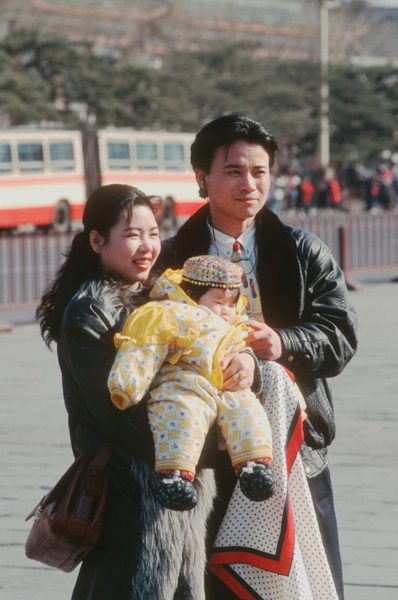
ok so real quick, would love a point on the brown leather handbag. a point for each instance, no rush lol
(67, 521)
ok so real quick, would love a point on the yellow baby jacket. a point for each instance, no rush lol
(173, 333)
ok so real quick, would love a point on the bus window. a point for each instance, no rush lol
(147, 155)
(62, 156)
(118, 155)
(30, 156)
(173, 156)
(5, 158)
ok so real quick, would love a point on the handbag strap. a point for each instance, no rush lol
(94, 482)
(101, 458)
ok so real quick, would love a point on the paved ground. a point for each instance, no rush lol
(34, 451)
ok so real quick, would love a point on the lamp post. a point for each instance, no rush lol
(324, 132)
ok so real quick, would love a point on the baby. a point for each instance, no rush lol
(170, 351)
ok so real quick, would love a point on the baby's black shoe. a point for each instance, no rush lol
(175, 492)
(257, 481)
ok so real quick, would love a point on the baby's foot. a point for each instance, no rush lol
(257, 481)
(175, 492)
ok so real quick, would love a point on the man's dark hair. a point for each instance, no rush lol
(226, 130)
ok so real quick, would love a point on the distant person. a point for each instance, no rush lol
(335, 195)
(322, 192)
(395, 186)
(376, 193)
(276, 193)
(306, 193)
(387, 195)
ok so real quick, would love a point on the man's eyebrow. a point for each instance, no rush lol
(229, 165)
(239, 166)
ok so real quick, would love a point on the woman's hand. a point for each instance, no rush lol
(264, 341)
(238, 371)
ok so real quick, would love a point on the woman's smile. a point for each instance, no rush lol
(143, 263)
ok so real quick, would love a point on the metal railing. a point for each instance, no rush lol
(28, 262)
(361, 242)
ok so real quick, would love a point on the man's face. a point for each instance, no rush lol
(237, 185)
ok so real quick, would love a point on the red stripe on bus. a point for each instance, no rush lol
(49, 180)
(38, 215)
(146, 177)
(76, 211)
(187, 208)
(44, 215)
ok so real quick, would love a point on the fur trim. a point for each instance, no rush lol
(173, 542)
(117, 299)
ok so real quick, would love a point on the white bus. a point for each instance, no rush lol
(46, 175)
(42, 180)
(156, 163)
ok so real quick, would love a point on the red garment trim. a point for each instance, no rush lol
(239, 466)
(294, 443)
(292, 377)
(280, 562)
(234, 585)
(183, 474)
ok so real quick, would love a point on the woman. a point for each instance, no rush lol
(144, 551)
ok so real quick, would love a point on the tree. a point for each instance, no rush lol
(364, 111)
(46, 77)
(24, 96)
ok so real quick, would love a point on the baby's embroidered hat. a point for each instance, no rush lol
(212, 271)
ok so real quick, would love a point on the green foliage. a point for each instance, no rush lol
(46, 77)
(25, 97)
(364, 111)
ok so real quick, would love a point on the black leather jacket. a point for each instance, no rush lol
(134, 530)
(86, 353)
(304, 297)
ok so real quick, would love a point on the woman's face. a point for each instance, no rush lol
(132, 247)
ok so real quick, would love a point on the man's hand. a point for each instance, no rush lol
(238, 371)
(264, 341)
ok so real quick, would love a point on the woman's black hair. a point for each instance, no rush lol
(222, 133)
(103, 210)
(195, 292)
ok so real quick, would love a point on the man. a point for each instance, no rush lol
(297, 297)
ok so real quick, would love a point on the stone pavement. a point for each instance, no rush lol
(35, 451)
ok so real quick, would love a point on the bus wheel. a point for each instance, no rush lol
(168, 221)
(62, 219)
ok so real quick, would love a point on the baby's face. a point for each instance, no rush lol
(221, 302)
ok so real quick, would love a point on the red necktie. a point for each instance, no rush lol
(236, 246)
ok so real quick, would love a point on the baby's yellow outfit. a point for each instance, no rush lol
(170, 350)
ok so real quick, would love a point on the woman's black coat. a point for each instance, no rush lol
(144, 551)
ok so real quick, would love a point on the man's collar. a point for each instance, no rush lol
(224, 242)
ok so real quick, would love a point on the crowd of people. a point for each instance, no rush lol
(219, 538)
(309, 187)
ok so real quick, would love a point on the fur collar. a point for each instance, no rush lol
(116, 298)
